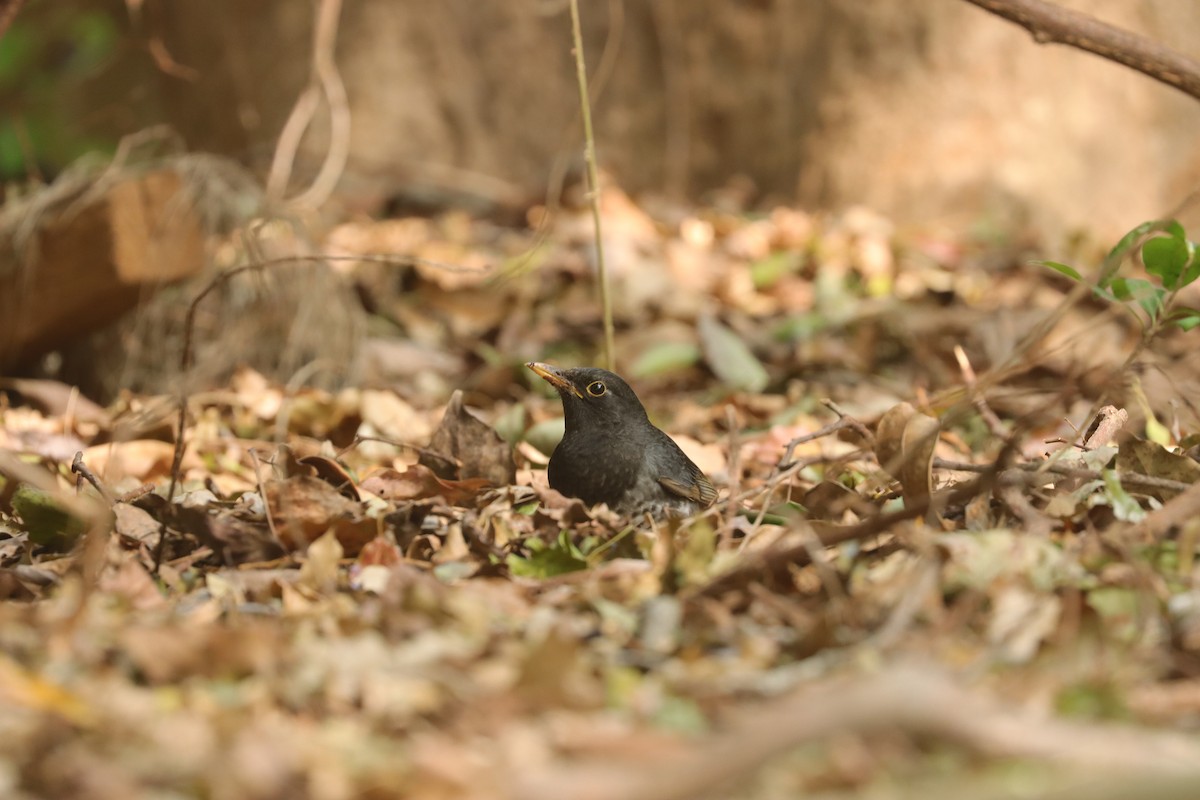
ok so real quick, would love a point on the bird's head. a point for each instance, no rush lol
(591, 395)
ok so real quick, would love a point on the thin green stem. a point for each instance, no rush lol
(593, 180)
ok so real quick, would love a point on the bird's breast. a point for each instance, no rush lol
(594, 470)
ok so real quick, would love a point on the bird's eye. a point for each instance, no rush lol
(596, 389)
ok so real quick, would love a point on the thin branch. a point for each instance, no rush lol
(1132, 480)
(1052, 24)
(81, 469)
(326, 72)
(773, 565)
(187, 355)
(593, 187)
(913, 698)
(325, 81)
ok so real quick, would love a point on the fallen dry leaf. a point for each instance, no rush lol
(465, 447)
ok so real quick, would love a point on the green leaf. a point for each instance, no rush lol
(1091, 701)
(1119, 609)
(799, 327)
(1185, 318)
(18, 53)
(1166, 257)
(46, 522)
(730, 358)
(1121, 289)
(511, 424)
(665, 357)
(548, 560)
(1113, 261)
(12, 156)
(767, 271)
(1142, 292)
(1175, 230)
(94, 36)
(1192, 272)
(681, 715)
(1061, 268)
(546, 435)
(1156, 431)
(1124, 507)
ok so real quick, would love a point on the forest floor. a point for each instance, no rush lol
(954, 554)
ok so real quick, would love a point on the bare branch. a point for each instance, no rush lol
(912, 698)
(1052, 24)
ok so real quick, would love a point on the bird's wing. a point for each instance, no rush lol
(699, 488)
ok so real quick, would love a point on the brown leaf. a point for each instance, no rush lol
(334, 474)
(415, 483)
(237, 540)
(379, 552)
(904, 445)
(304, 508)
(144, 459)
(321, 564)
(830, 499)
(166, 654)
(1147, 458)
(135, 524)
(54, 398)
(419, 483)
(469, 448)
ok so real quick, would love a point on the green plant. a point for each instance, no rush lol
(47, 59)
(1167, 255)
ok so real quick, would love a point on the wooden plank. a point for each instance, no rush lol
(90, 265)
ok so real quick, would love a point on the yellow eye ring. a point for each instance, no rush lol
(596, 388)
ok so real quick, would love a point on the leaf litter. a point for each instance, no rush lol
(919, 579)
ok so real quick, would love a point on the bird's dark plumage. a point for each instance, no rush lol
(612, 453)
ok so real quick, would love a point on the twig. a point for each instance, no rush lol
(325, 81)
(187, 355)
(81, 469)
(968, 372)
(774, 564)
(262, 492)
(82, 506)
(593, 187)
(786, 468)
(1010, 490)
(394, 260)
(927, 568)
(1174, 513)
(1104, 428)
(297, 380)
(359, 439)
(167, 64)
(735, 465)
(339, 106)
(914, 698)
(98, 518)
(1129, 479)
(840, 424)
(611, 51)
(1052, 24)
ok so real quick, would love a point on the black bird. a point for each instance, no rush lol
(611, 453)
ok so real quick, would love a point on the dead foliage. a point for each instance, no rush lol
(926, 574)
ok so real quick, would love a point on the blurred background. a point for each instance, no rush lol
(936, 113)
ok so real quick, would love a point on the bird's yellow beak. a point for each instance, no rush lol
(554, 377)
